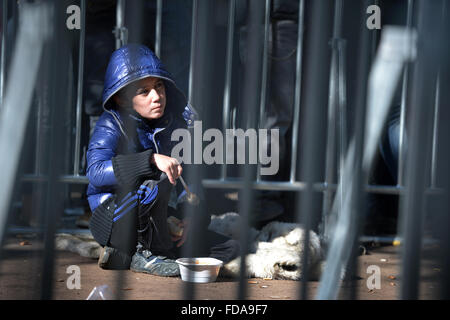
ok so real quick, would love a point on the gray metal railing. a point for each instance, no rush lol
(3, 50)
(79, 106)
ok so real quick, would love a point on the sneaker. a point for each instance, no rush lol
(112, 259)
(144, 261)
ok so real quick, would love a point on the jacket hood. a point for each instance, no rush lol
(133, 62)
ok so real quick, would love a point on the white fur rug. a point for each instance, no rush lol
(276, 250)
(83, 244)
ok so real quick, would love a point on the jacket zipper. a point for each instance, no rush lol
(154, 140)
(154, 135)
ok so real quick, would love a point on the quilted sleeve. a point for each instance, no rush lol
(107, 168)
(102, 148)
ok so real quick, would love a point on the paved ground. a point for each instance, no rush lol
(21, 275)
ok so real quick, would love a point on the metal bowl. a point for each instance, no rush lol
(199, 270)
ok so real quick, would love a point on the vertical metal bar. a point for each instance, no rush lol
(3, 52)
(189, 290)
(443, 156)
(250, 100)
(76, 163)
(120, 31)
(375, 33)
(228, 76)
(413, 203)
(265, 63)
(158, 27)
(201, 63)
(265, 71)
(316, 104)
(59, 60)
(193, 48)
(121, 35)
(435, 133)
(38, 149)
(342, 105)
(298, 92)
(334, 87)
(401, 155)
(343, 139)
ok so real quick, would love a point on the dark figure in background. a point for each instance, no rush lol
(279, 109)
(99, 44)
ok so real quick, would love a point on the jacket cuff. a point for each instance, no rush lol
(131, 169)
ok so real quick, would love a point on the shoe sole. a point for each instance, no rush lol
(148, 272)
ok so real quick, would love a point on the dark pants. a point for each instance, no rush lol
(279, 112)
(279, 108)
(140, 216)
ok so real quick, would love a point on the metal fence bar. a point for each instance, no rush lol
(298, 91)
(251, 102)
(443, 159)
(3, 50)
(375, 35)
(235, 183)
(58, 59)
(39, 128)
(192, 66)
(412, 205)
(120, 32)
(333, 107)
(264, 77)
(435, 141)
(265, 67)
(158, 27)
(316, 105)
(228, 76)
(79, 108)
(201, 64)
(342, 105)
(135, 10)
(402, 134)
(189, 290)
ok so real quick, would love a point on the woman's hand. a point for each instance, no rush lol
(169, 165)
(182, 239)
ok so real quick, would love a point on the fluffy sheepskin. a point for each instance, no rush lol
(276, 250)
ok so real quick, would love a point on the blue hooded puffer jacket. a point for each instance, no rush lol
(123, 131)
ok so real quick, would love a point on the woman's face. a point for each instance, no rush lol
(149, 98)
